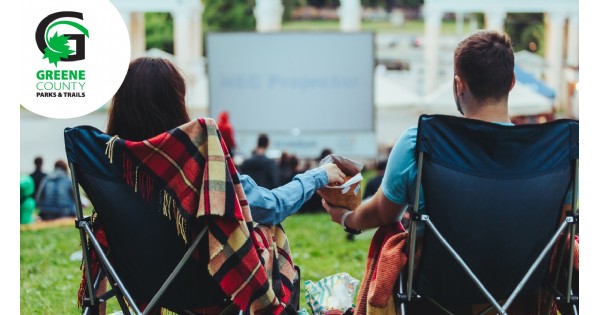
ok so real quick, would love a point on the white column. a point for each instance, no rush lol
(433, 21)
(460, 24)
(494, 20)
(268, 15)
(473, 24)
(350, 15)
(138, 34)
(182, 36)
(573, 40)
(554, 54)
(197, 31)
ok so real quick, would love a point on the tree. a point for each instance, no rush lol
(159, 31)
(526, 31)
(229, 15)
(409, 3)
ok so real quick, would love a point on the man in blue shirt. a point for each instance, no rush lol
(483, 77)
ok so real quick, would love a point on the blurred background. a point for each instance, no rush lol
(345, 75)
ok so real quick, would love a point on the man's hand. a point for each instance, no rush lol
(336, 213)
(372, 213)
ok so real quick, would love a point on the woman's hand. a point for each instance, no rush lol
(334, 174)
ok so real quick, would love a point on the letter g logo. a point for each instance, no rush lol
(56, 47)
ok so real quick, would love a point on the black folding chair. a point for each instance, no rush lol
(148, 262)
(494, 198)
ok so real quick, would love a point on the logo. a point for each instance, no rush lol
(75, 56)
(56, 47)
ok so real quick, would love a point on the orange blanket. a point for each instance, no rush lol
(386, 260)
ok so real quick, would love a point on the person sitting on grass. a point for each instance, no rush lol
(55, 194)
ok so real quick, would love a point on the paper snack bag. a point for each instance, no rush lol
(347, 195)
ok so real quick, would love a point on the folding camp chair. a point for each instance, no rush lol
(148, 266)
(494, 197)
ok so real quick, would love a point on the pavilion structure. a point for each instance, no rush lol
(561, 42)
(562, 30)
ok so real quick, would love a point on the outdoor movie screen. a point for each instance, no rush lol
(313, 81)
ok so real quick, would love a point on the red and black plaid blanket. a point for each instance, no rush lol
(190, 169)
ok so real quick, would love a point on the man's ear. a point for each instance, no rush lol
(514, 80)
(460, 85)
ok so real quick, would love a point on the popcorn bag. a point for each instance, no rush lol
(348, 194)
(332, 294)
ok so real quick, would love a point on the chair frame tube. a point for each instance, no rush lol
(573, 229)
(538, 260)
(175, 271)
(463, 264)
(413, 229)
(109, 267)
(570, 221)
(84, 227)
(401, 291)
(79, 213)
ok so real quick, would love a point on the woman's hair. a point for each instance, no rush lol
(151, 100)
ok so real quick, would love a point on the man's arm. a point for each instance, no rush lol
(375, 212)
(390, 201)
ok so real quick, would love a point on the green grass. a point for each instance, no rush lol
(320, 248)
(49, 280)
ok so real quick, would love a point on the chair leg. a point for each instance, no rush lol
(296, 294)
(231, 309)
(401, 291)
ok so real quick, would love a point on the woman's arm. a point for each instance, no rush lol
(271, 207)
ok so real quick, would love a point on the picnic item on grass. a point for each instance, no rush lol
(331, 295)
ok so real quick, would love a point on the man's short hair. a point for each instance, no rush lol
(38, 161)
(263, 140)
(485, 61)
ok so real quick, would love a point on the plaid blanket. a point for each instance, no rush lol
(190, 169)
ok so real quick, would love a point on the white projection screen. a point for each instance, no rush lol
(305, 81)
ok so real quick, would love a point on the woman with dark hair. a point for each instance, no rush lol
(151, 100)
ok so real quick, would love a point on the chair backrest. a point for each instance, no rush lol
(496, 194)
(144, 244)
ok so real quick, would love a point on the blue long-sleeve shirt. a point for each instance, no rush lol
(271, 207)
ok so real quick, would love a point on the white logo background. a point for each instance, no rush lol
(107, 56)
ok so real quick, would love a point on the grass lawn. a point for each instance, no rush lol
(320, 248)
(50, 280)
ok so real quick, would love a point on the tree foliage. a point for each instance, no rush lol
(526, 31)
(159, 31)
(229, 15)
(368, 3)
